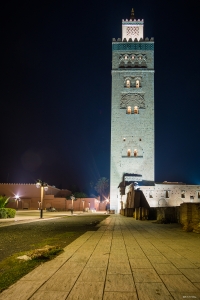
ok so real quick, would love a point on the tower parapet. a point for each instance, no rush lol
(132, 28)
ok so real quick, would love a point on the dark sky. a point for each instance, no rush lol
(56, 88)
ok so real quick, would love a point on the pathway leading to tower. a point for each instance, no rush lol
(124, 259)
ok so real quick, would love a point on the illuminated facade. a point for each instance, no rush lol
(132, 126)
(132, 109)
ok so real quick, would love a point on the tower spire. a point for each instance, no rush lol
(132, 14)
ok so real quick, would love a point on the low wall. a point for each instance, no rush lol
(60, 204)
(190, 216)
(168, 214)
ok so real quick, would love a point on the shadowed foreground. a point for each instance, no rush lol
(123, 259)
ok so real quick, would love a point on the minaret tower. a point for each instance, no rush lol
(132, 110)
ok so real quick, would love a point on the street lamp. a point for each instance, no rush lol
(83, 204)
(72, 198)
(17, 199)
(43, 186)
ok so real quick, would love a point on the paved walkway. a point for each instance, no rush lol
(124, 259)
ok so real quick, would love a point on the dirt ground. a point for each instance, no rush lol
(60, 231)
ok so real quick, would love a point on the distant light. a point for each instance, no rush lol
(38, 185)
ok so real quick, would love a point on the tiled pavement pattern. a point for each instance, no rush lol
(124, 259)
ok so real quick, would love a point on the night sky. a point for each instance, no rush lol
(56, 89)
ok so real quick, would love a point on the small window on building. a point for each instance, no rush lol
(124, 139)
(167, 194)
(191, 198)
(150, 194)
(137, 83)
(198, 194)
(128, 83)
(135, 152)
(133, 56)
(136, 110)
(140, 140)
(126, 57)
(129, 152)
(129, 110)
(182, 194)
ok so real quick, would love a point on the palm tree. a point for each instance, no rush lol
(3, 201)
(102, 187)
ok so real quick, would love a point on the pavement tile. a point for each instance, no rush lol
(182, 263)
(102, 262)
(21, 290)
(87, 291)
(197, 284)
(185, 296)
(145, 275)
(151, 252)
(136, 254)
(152, 291)
(116, 267)
(60, 282)
(73, 267)
(163, 268)
(178, 283)
(192, 274)
(45, 295)
(119, 283)
(120, 296)
(93, 274)
(142, 263)
(118, 255)
(158, 259)
(80, 257)
(195, 259)
(173, 255)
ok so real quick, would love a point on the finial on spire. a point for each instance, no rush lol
(132, 14)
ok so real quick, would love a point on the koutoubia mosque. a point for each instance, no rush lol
(132, 175)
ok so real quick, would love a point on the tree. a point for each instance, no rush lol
(80, 195)
(101, 187)
(3, 201)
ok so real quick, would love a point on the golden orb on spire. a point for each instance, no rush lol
(132, 14)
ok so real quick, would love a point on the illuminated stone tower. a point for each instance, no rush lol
(132, 110)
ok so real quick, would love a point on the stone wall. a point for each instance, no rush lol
(190, 216)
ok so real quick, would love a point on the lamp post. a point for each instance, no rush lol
(83, 204)
(89, 205)
(72, 198)
(43, 186)
(17, 199)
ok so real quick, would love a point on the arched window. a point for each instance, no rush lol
(128, 83)
(129, 110)
(137, 83)
(136, 110)
(135, 152)
(129, 152)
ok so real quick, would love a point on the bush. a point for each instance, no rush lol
(10, 212)
(7, 213)
(3, 213)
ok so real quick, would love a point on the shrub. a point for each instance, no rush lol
(3, 213)
(10, 212)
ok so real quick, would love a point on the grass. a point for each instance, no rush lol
(25, 238)
(12, 269)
